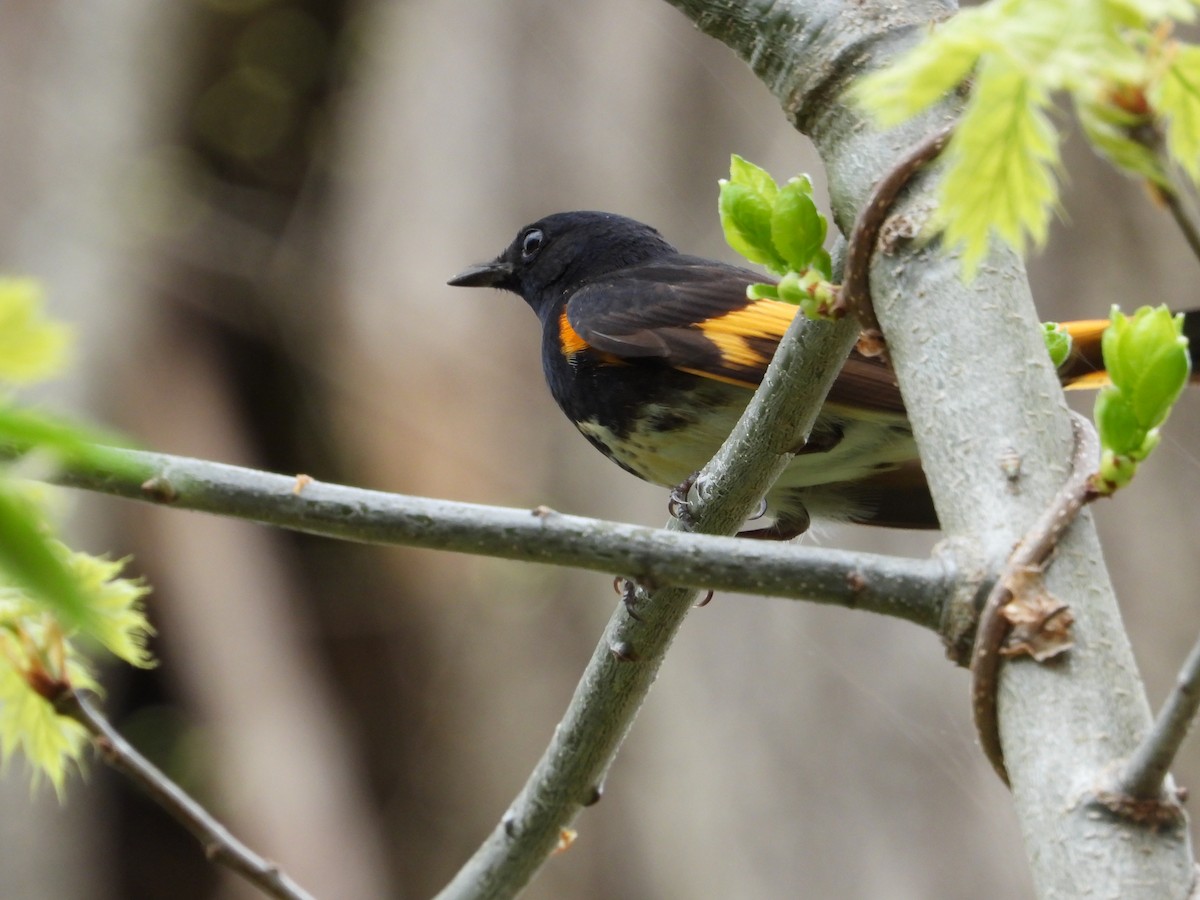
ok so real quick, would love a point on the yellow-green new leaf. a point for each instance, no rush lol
(1144, 11)
(1111, 131)
(1117, 422)
(31, 347)
(797, 227)
(758, 179)
(1002, 159)
(1058, 342)
(34, 652)
(1177, 99)
(929, 71)
(746, 221)
(51, 743)
(37, 656)
(120, 622)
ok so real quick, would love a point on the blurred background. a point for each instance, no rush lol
(249, 208)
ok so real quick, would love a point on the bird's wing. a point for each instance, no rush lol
(693, 314)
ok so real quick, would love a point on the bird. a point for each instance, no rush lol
(653, 354)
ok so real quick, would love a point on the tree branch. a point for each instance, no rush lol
(219, 844)
(1143, 776)
(1174, 201)
(913, 589)
(570, 774)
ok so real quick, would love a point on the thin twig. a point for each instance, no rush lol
(219, 845)
(1144, 773)
(911, 589)
(1190, 233)
(855, 293)
(1032, 552)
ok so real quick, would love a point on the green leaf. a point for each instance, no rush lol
(51, 743)
(119, 617)
(790, 290)
(32, 347)
(29, 560)
(1112, 133)
(1176, 97)
(746, 220)
(1144, 11)
(1147, 361)
(1058, 342)
(26, 429)
(762, 291)
(1000, 166)
(38, 658)
(797, 228)
(823, 264)
(1161, 364)
(1000, 175)
(1117, 423)
(1116, 363)
(1162, 380)
(756, 178)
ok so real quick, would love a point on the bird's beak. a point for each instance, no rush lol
(492, 274)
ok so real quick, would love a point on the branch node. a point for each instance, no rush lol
(1164, 813)
(566, 837)
(628, 589)
(969, 571)
(623, 651)
(159, 489)
(1010, 466)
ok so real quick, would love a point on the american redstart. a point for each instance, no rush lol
(653, 355)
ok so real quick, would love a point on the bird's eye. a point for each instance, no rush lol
(531, 244)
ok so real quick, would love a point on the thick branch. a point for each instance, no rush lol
(980, 394)
(912, 589)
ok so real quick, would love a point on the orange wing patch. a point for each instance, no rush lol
(1089, 382)
(569, 340)
(1086, 330)
(1086, 335)
(746, 338)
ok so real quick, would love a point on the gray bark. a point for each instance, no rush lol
(1063, 726)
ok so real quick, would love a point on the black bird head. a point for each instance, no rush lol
(551, 257)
